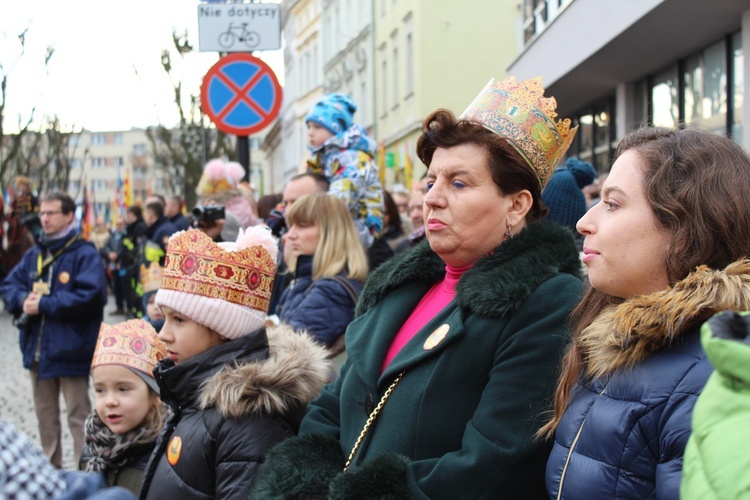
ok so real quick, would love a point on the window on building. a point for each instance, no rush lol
(409, 56)
(664, 98)
(118, 139)
(737, 86)
(98, 162)
(595, 141)
(706, 89)
(363, 108)
(118, 161)
(395, 66)
(383, 82)
(586, 137)
(711, 91)
(74, 140)
(98, 139)
(75, 162)
(140, 149)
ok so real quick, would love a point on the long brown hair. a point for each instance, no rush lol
(697, 184)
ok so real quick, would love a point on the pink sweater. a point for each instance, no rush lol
(434, 301)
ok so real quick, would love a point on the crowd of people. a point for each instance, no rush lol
(511, 325)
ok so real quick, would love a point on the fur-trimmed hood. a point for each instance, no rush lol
(498, 283)
(293, 374)
(626, 334)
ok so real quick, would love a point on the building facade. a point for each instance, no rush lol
(432, 54)
(615, 65)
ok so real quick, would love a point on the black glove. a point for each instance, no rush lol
(383, 478)
(299, 468)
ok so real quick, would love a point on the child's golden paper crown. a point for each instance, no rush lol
(519, 112)
(151, 277)
(196, 265)
(133, 344)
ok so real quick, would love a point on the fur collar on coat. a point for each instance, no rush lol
(294, 373)
(497, 284)
(628, 333)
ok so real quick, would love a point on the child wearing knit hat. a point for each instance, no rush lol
(343, 153)
(235, 388)
(121, 432)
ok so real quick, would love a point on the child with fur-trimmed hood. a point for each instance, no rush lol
(236, 389)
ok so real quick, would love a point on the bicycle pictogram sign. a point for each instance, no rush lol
(239, 33)
(241, 94)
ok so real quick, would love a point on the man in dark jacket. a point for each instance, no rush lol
(159, 230)
(173, 211)
(57, 293)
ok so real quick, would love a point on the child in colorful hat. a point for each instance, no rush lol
(344, 154)
(122, 430)
(235, 388)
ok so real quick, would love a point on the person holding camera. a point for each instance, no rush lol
(58, 292)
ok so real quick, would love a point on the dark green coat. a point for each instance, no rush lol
(465, 412)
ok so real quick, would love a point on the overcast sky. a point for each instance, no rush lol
(99, 45)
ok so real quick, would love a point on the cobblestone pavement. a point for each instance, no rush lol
(16, 402)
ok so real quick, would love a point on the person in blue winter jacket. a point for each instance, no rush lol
(329, 268)
(666, 248)
(343, 153)
(57, 294)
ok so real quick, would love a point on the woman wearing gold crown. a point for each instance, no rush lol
(235, 388)
(453, 354)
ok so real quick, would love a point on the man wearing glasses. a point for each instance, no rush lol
(57, 294)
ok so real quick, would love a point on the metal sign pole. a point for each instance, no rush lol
(243, 154)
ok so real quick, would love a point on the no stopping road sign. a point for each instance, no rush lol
(240, 94)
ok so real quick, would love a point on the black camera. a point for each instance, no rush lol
(209, 213)
(22, 322)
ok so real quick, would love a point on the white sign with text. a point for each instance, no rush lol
(239, 27)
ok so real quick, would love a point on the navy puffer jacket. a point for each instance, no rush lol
(321, 307)
(629, 419)
(65, 330)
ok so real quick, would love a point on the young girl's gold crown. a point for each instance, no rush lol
(519, 112)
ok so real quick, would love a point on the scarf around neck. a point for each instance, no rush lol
(112, 451)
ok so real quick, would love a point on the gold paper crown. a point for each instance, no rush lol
(134, 344)
(519, 112)
(151, 277)
(196, 265)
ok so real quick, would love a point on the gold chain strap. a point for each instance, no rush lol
(371, 419)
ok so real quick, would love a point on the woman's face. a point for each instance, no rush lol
(625, 249)
(465, 214)
(302, 239)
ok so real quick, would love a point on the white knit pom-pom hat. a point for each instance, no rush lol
(226, 286)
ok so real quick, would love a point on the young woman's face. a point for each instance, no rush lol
(625, 249)
(183, 337)
(317, 135)
(302, 240)
(122, 399)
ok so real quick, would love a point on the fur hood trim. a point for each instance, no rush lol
(628, 333)
(293, 374)
(498, 283)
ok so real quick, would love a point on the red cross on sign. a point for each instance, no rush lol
(240, 94)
